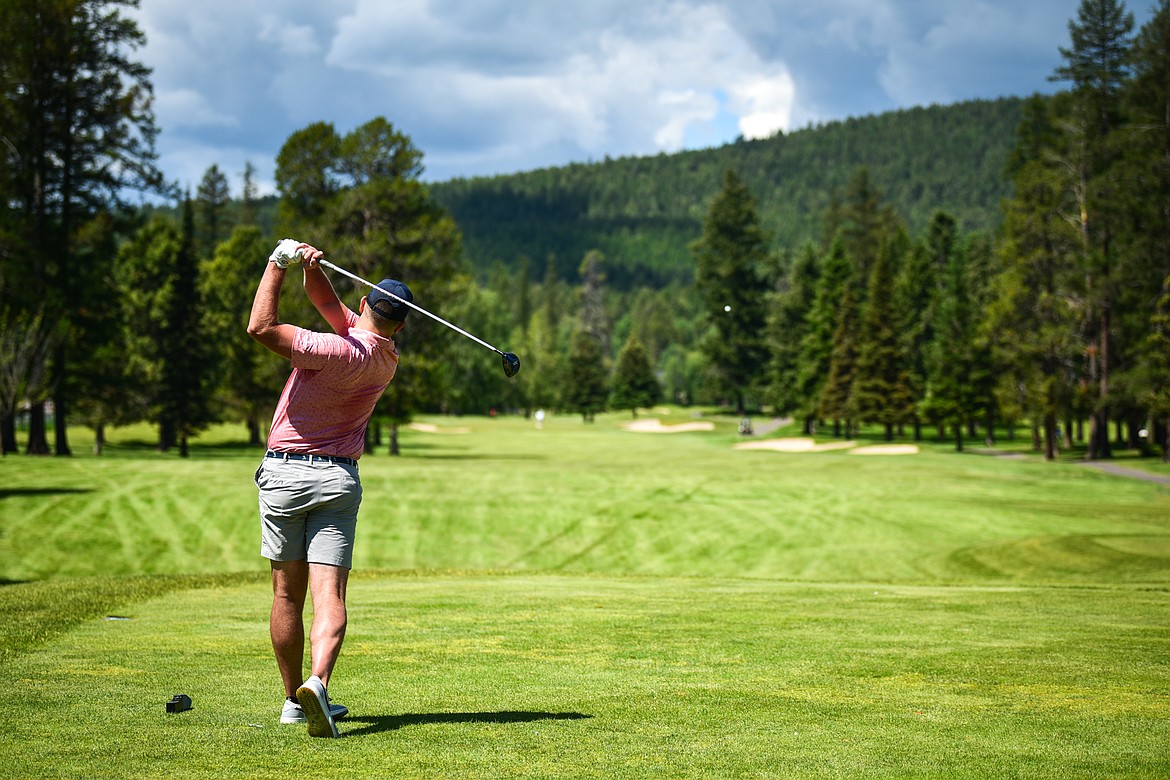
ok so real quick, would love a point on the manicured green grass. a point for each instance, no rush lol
(581, 601)
(474, 676)
(577, 498)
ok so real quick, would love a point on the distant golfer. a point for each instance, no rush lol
(308, 480)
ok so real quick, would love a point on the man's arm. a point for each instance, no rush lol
(263, 324)
(321, 293)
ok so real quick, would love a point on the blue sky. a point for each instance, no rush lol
(485, 87)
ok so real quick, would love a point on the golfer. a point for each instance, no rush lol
(308, 480)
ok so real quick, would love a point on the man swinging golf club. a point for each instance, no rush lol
(308, 480)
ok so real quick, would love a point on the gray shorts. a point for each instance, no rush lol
(308, 511)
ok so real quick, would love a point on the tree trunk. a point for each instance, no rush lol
(37, 444)
(394, 438)
(254, 439)
(889, 431)
(1166, 441)
(62, 435)
(99, 438)
(183, 450)
(7, 433)
(1050, 449)
(958, 437)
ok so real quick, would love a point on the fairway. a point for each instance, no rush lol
(585, 601)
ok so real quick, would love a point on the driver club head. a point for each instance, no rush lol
(511, 364)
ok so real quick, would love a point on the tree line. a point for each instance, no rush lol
(1058, 314)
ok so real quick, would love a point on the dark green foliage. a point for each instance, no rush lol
(587, 386)
(643, 212)
(634, 384)
(730, 258)
(816, 346)
(949, 398)
(246, 382)
(836, 399)
(359, 198)
(786, 328)
(78, 132)
(881, 390)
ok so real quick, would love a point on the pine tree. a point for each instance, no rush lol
(1097, 65)
(184, 389)
(881, 388)
(816, 346)
(786, 328)
(729, 258)
(836, 397)
(75, 110)
(1033, 316)
(949, 398)
(245, 381)
(587, 386)
(634, 383)
(212, 197)
(1157, 394)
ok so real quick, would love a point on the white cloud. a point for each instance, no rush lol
(182, 108)
(494, 86)
(764, 104)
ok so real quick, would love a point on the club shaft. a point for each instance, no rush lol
(419, 309)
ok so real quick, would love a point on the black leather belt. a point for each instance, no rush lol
(310, 458)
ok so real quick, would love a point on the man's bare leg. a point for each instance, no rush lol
(286, 625)
(327, 585)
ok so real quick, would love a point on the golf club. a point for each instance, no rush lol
(511, 362)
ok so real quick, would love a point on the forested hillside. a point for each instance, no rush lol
(642, 212)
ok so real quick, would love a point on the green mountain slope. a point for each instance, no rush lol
(642, 212)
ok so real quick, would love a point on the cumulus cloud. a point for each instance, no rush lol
(495, 86)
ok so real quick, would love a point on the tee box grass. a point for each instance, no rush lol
(580, 601)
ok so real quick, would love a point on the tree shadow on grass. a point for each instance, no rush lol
(376, 723)
(35, 491)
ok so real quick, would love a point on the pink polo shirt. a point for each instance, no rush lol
(335, 382)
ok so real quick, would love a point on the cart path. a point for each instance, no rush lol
(1123, 471)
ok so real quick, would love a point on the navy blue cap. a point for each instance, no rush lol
(387, 307)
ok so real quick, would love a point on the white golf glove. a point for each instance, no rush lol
(286, 253)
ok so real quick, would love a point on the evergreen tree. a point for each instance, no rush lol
(1032, 323)
(212, 197)
(1097, 65)
(587, 386)
(592, 313)
(881, 388)
(184, 387)
(75, 113)
(248, 195)
(634, 383)
(145, 271)
(246, 381)
(1157, 393)
(729, 258)
(949, 398)
(359, 198)
(816, 347)
(836, 397)
(918, 293)
(786, 327)
(1144, 245)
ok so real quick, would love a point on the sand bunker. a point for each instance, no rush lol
(655, 425)
(428, 428)
(886, 449)
(809, 445)
(795, 445)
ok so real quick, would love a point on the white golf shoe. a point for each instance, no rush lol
(293, 712)
(315, 703)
